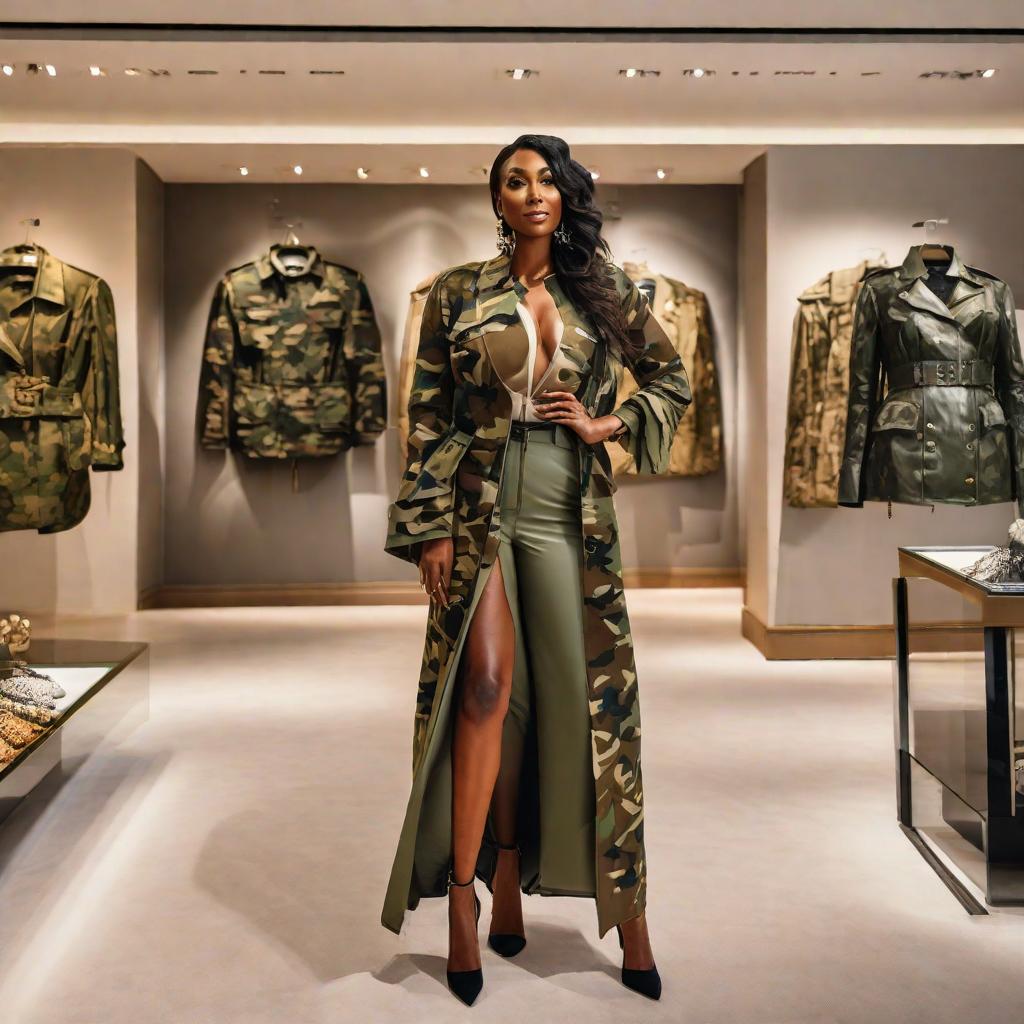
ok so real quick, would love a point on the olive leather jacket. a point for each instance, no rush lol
(939, 340)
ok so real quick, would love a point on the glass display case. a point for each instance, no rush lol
(957, 723)
(105, 696)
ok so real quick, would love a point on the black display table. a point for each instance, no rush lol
(957, 721)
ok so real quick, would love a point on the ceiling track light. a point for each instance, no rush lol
(8, 69)
(202, 71)
(697, 72)
(638, 73)
(266, 71)
(520, 73)
(96, 71)
(959, 75)
(297, 169)
(319, 72)
(424, 173)
(362, 173)
(51, 70)
(662, 173)
(243, 171)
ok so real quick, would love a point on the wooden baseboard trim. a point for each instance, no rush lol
(800, 643)
(189, 595)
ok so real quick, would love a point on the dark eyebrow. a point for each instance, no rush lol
(521, 171)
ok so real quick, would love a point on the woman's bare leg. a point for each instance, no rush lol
(507, 907)
(485, 676)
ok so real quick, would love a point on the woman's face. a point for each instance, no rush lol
(527, 196)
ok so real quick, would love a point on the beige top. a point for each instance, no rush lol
(523, 390)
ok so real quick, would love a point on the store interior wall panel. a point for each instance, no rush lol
(229, 520)
(826, 207)
(150, 242)
(85, 199)
(752, 370)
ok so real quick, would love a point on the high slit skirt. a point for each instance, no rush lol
(540, 552)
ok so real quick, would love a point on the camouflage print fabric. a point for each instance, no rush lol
(60, 408)
(936, 409)
(685, 315)
(460, 415)
(407, 364)
(292, 362)
(819, 387)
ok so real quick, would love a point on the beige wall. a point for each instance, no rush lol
(827, 206)
(85, 199)
(232, 520)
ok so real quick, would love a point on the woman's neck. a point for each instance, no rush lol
(531, 259)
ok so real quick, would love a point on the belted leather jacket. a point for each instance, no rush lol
(936, 406)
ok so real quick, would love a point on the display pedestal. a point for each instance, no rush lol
(957, 721)
(106, 687)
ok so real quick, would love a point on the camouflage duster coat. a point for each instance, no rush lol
(940, 343)
(459, 415)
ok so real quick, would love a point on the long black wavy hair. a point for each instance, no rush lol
(582, 266)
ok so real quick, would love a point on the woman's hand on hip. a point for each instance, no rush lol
(563, 407)
(436, 558)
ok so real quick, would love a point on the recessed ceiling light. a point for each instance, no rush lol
(424, 173)
(362, 172)
(638, 73)
(661, 172)
(243, 171)
(132, 72)
(594, 173)
(698, 72)
(51, 70)
(319, 72)
(8, 69)
(297, 168)
(988, 72)
(96, 72)
(520, 73)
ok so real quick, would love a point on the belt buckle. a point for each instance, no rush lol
(918, 374)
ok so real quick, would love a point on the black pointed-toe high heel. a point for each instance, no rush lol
(647, 983)
(465, 985)
(507, 945)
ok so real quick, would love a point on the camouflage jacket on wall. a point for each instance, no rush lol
(819, 387)
(686, 318)
(60, 408)
(292, 363)
(460, 412)
(942, 347)
(407, 364)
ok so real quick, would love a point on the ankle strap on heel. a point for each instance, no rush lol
(451, 879)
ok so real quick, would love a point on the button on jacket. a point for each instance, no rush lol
(685, 316)
(292, 363)
(60, 408)
(951, 424)
(473, 339)
(819, 387)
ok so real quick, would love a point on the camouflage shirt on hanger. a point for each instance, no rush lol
(292, 362)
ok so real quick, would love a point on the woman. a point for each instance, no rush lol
(526, 753)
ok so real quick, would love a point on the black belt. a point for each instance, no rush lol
(942, 372)
(521, 427)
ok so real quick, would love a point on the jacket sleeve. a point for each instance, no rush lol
(361, 346)
(215, 378)
(1010, 384)
(865, 383)
(425, 505)
(101, 395)
(795, 482)
(652, 413)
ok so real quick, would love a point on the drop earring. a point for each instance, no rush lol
(505, 244)
(562, 236)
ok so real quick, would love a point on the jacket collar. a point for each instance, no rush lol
(266, 265)
(496, 275)
(49, 282)
(839, 287)
(914, 266)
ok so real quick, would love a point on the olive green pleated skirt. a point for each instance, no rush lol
(540, 551)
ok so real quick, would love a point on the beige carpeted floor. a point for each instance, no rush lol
(227, 863)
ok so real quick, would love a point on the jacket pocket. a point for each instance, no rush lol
(898, 414)
(436, 474)
(992, 415)
(76, 435)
